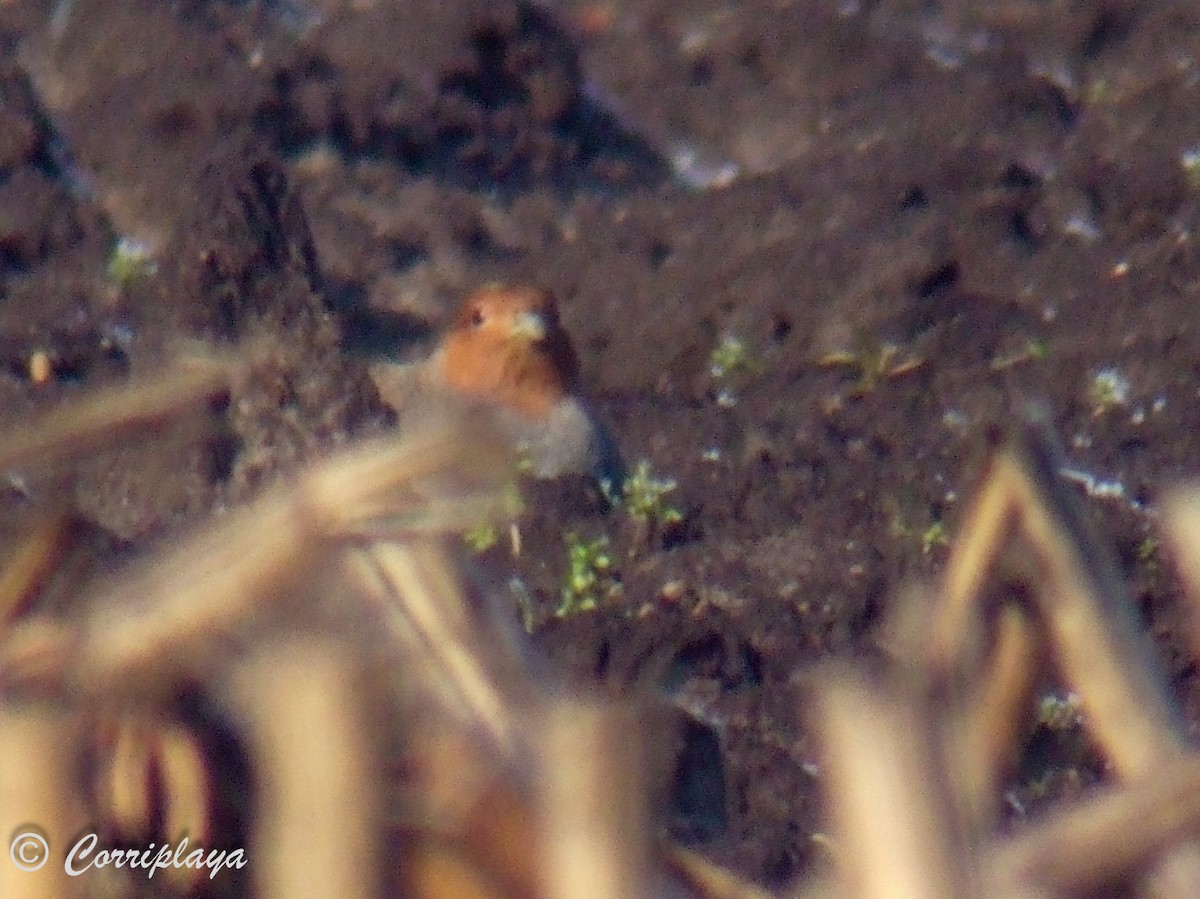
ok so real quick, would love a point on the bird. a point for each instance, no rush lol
(506, 349)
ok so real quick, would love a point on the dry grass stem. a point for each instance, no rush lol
(417, 591)
(36, 656)
(1181, 521)
(172, 611)
(713, 882)
(100, 418)
(38, 748)
(991, 722)
(593, 834)
(1104, 840)
(1100, 651)
(892, 813)
(1087, 623)
(475, 834)
(318, 822)
(26, 571)
(122, 782)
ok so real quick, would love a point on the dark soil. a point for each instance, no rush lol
(1007, 192)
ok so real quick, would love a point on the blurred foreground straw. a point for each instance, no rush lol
(39, 744)
(317, 819)
(402, 746)
(102, 417)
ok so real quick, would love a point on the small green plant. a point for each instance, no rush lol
(1060, 712)
(644, 498)
(590, 577)
(1147, 553)
(874, 361)
(1107, 390)
(936, 535)
(1190, 161)
(730, 362)
(1099, 92)
(482, 536)
(1032, 351)
(731, 357)
(128, 262)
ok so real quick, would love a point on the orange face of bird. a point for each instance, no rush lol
(507, 346)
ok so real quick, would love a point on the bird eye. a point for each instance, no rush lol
(476, 316)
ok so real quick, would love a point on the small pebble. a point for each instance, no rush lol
(40, 369)
(673, 591)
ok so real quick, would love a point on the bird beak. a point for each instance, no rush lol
(530, 326)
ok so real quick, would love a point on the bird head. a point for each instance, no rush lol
(507, 346)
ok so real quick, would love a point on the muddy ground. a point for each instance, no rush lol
(1008, 193)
